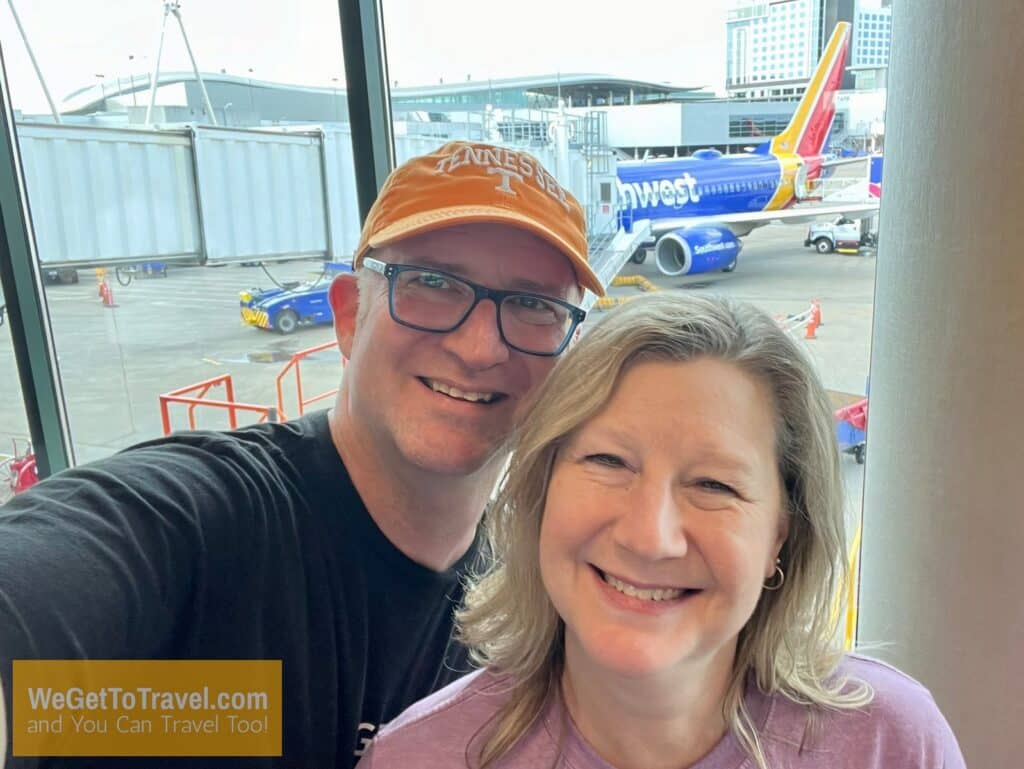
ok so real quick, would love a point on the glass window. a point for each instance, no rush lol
(420, 50)
(152, 269)
(15, 445)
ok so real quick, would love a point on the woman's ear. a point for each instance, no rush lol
(344, 299)
(782, 533)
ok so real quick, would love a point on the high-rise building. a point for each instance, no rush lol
(772, 46)
(869, 50)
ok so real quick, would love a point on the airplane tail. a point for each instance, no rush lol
(875, 176)
(809, 128)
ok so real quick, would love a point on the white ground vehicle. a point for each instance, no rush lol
(842, 233)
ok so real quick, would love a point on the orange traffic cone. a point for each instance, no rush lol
(812, 324)
(107, 294)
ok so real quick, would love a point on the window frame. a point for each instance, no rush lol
(369, 104)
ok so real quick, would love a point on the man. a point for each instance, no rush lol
(336, 542)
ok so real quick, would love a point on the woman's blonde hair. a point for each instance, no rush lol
(789, 644)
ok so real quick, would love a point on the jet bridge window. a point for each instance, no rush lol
(606, 192)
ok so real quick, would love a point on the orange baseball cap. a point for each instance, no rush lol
(465, 182)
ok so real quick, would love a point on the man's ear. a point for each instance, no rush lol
(344, 298)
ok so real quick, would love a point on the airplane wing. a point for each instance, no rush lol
(742, 223)
(835, 162)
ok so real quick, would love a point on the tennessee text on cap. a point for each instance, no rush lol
(465, 182)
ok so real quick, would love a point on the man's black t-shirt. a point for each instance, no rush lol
(252, 544)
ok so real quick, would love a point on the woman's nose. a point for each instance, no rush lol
(652, 525)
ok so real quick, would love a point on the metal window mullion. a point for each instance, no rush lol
(31, 335)
(369, 98)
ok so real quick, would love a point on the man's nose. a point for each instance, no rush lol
(477, 342)
(652, 527)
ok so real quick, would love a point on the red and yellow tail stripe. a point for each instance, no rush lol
(807, 130)
(804, 138)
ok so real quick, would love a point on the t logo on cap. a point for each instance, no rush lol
(505, 176)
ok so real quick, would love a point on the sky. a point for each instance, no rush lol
(80, 42)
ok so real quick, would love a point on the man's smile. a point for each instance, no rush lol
(457, 393)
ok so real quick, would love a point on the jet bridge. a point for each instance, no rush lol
(201, 194)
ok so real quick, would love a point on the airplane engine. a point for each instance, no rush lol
(693, 250)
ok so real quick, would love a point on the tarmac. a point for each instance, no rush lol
(167, 333)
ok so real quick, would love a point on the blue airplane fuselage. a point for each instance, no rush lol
(699, 207)
(705, 184)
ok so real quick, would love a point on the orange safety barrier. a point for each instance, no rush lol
(810, 319)
(195, 395)
(295, 363)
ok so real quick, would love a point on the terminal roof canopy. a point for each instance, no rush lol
(577, 90)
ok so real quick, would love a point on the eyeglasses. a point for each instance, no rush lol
(437, 301)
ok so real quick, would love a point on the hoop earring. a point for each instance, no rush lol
(779, 573)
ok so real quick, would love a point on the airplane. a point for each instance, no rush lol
(700, 206)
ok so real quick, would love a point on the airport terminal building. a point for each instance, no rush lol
(772, 47)
(635, 117)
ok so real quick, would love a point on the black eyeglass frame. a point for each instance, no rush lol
(391, 271)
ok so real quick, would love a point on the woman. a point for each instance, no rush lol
(668, 555)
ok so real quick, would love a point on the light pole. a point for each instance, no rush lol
(252, 101)
(337, 118)
(131, 75)
(103, 88)
(35, 64)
